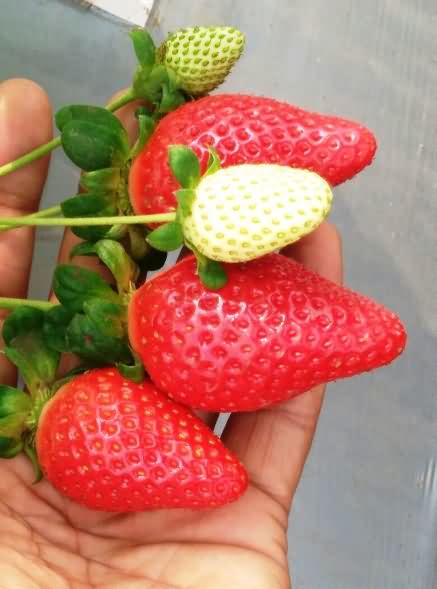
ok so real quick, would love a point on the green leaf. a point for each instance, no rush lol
(10, 447)
(85, 340)
(146, 127)
(97, 115)
(55, 326)
(144, 47)
(101, 181)
(134, 372)
(167, 237)
(185, 198)
(26, 348)
(73, 286)
(212, 275)
(185, 165)
(121, 265)
(92, 205)
(13, 401)
(213, 162)
(93, 147)
(108, 318)
(83, 249)
(13, 426)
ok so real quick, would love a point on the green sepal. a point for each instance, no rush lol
(26, 348)
(138, 245)
(73, 286)
(167, 237)
(10, 447)
(97, 115)
(84, 248)
(15, 406)
(185, 165)
(13, 401)
(214, 163)
(120, 264)
(147, 84)
(93, 147)
(146, 126)
(93, 205)
(134, 372)
(32, 455)
(56, 321)
(108, 318)
(101, 181)
(144, 47)
(171, 99)
(213, 275)
(185, 198)
(85, 340)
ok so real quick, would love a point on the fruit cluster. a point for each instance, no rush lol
(234, 326)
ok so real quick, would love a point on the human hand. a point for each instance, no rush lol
(49, 541)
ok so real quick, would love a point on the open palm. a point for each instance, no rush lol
(49, 542)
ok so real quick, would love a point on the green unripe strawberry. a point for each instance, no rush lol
(246, 211)
(201, 57)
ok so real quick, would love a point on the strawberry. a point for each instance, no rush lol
(247, 129)
(201, 57)
(275, 330)
(243, 212)
(114, 445)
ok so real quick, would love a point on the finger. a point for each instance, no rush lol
(126, 114)
(273, 443)
(25, 123)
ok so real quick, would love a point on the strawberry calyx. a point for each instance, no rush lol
(185, 166)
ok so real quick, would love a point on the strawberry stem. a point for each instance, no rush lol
(43, 150)
(11, 304)
(50, 212)
(12, 222)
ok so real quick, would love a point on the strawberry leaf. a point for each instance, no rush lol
(185, 198)
(73, 286)
(26, 348)
(144, 47)
(185, 165)
(93, 147)
(90, 203)
(108, 318)
(212, 274)
(167, 237)
(56, 321)
(120, 264)
(13, 401)
(101, 181)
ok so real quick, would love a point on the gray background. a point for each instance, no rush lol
(366, 512)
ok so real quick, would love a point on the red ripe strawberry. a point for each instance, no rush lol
(275, 330)
(114, 445)
(248, 129)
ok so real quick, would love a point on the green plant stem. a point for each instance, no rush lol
(87, 221)
(11, 304)
(122, 100)
(50, 212)
(42, 150)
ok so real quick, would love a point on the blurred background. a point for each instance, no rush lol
(365, 515)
